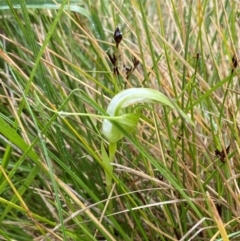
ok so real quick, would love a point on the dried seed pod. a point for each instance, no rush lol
(234, 62)
(135, 63)
(115, 70)
(113, 60)
(117, 36)
(160, 177)
(128, 70)
(221, 154)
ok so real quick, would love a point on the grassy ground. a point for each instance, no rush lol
(170, 180)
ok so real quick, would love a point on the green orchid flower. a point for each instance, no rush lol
(128, 121)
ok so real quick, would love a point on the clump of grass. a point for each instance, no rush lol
(169, 180)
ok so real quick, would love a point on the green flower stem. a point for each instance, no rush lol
(107, 159)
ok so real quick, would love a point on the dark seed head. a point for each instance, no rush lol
(117, 36)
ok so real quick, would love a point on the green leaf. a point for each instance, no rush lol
(47, 4)
(14, 139)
